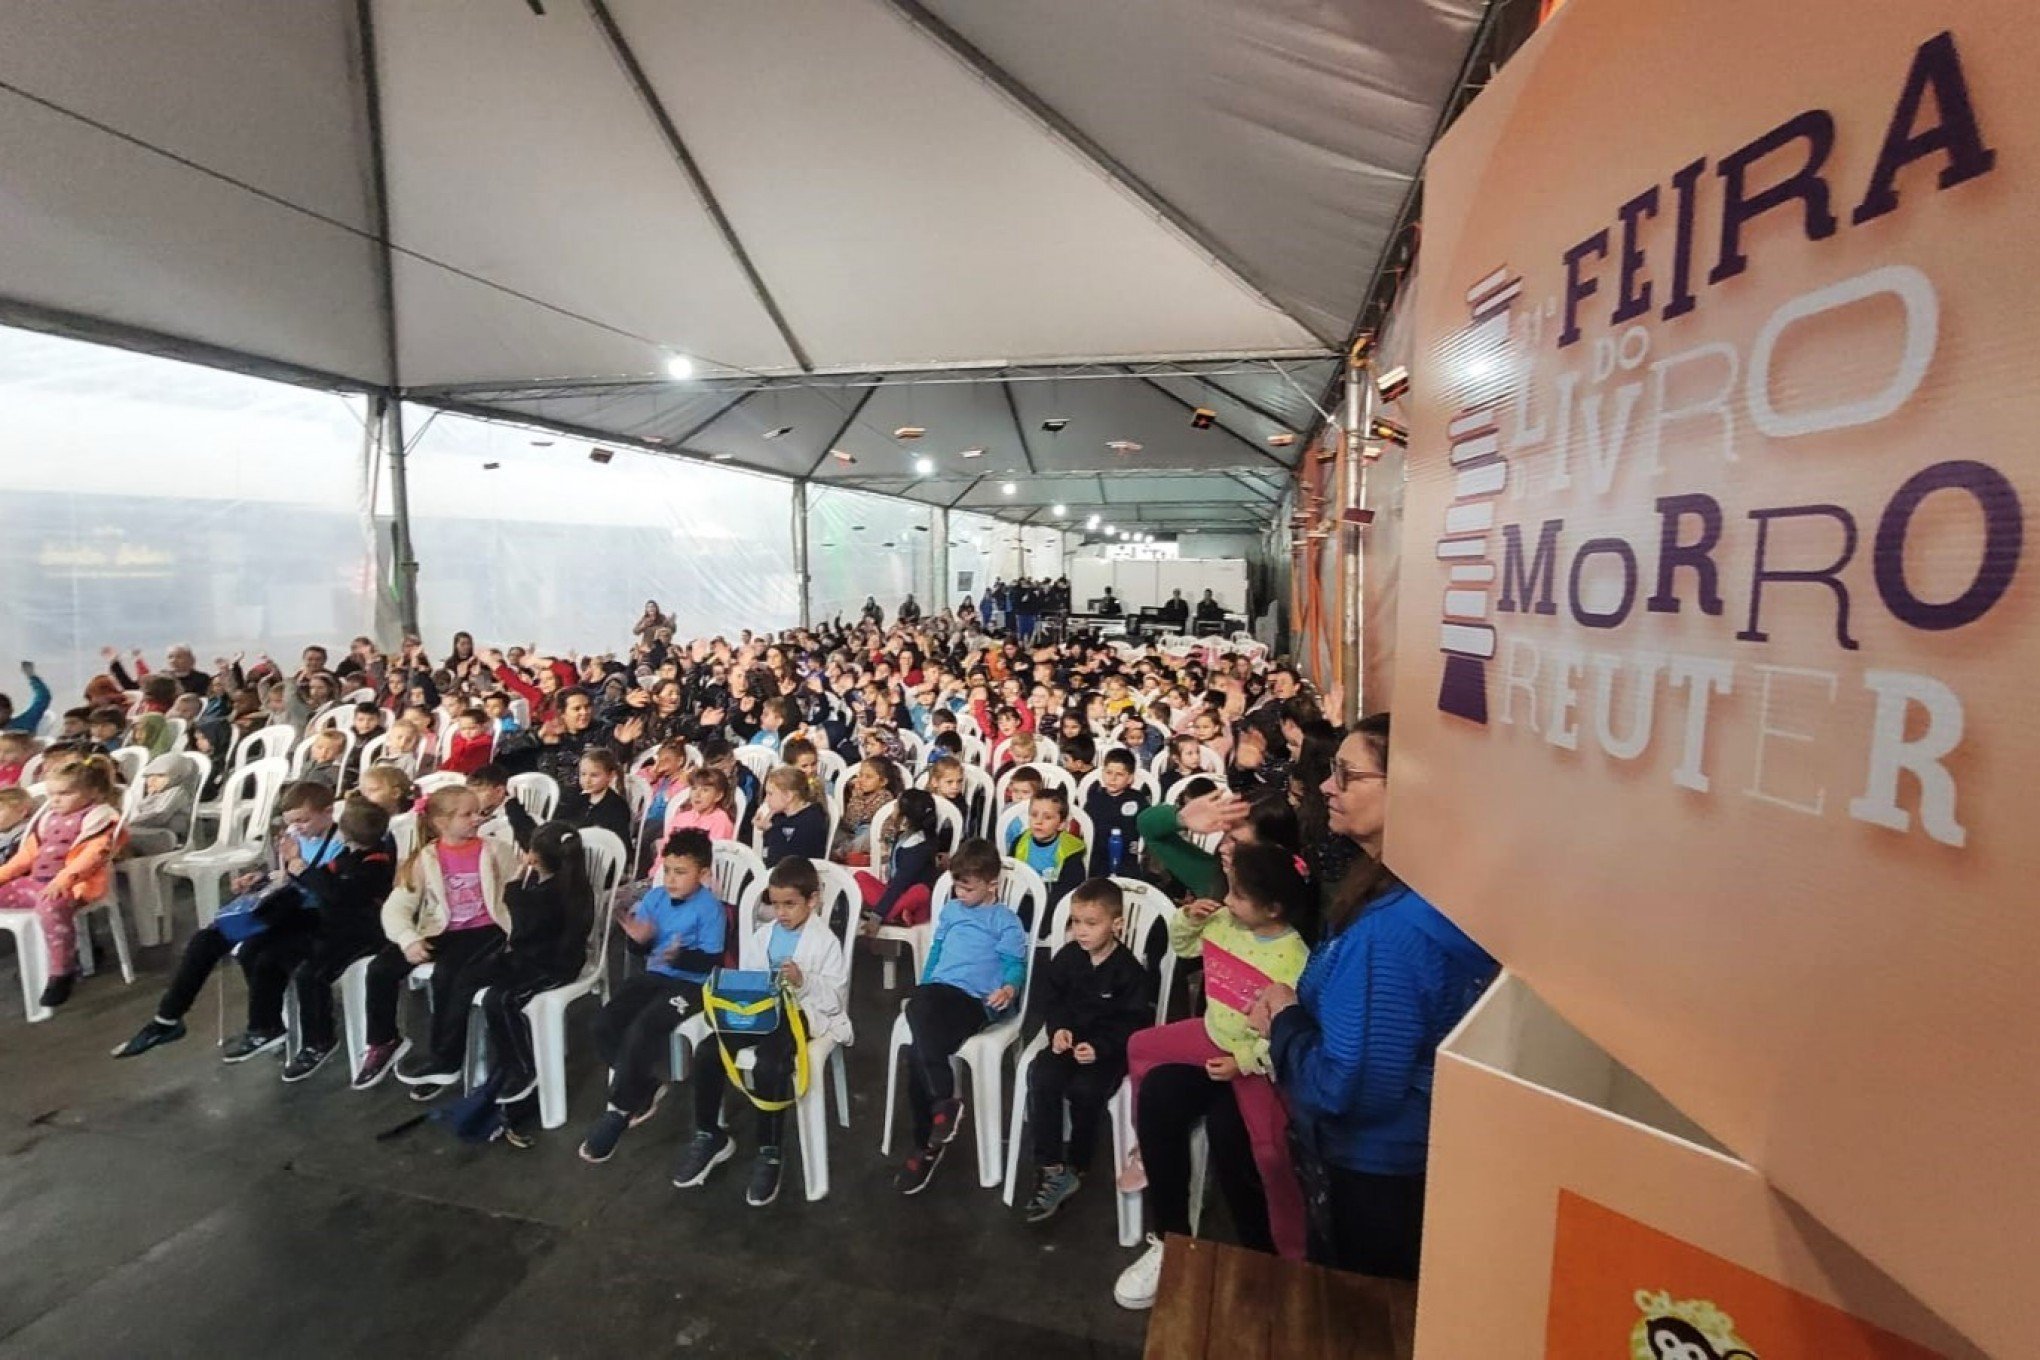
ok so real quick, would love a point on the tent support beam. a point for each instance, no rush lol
(856, 410)
(1254, 406)
(800, 551)
(634, 72)
(1019, 430)
(1272, 498)
(680, 440)
(938, 530)
(964, 495)
(389, 406)
(1259, 452)
(921, 17)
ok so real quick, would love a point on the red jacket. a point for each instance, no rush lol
(468, 754)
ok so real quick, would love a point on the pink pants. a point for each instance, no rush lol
(1261, 1110)
(910, 908)
(60, 937)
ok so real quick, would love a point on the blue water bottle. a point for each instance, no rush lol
(1115, 849)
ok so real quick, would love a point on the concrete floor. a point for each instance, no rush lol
(172, 1205)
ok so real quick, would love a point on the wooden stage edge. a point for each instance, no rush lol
(1225, 1301)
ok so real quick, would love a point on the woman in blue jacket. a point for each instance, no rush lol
(1354, 1045)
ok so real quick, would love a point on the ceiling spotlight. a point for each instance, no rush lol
(1112, 531)
(1122, 446)
(779, 433)
(841, 456)
(1091, 523)
(600, 455)
(973, 453)
(1007, 488)
(490, 467)
(1389, 431)
(924, 467)
(1393, 383)
(721, 457)
(679, 367)
(1059, 510)
(541, 443)
(909, 432)
(1281, 441)
(1201, 418)
(1055, 424)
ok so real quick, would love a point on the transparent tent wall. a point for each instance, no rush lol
(549, 547)
(993, 550)
(150, 502)
(862, 545)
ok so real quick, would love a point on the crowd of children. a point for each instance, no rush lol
(1088, 763)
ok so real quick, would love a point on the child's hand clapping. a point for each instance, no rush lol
(1085, 1053)
(1062, 1041)
(640, 930)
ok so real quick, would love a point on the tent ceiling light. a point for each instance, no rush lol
(1059, 510)
(1007, 488)
(924, 467)
(780, 433)
(910, 432)
(721, 457)
(490, 467)
(973, 453)
(1202, 418)
(1056, 424)
(1393, 383)
(841, 456)
(1281, 441)
(1091, 523)
(1110, 530)
(541, 443)
(679, 367)
(1122, 446)
(601, 455)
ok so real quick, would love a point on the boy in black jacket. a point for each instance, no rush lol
(1115, 804)
(1095, 996)
(346, 894)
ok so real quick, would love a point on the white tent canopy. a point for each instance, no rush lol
(853, 216)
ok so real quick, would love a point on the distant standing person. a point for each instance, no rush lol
(873, 614)
(1209, 610)
(910, 612)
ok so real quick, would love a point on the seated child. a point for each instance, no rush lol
(1094, 995)
(1185, 761)
(552, 913)
(709, 806)
(1114, 803)
(65, 860)
(665, 781)
(945, 780)
(873, 784)
(678, 927)
(1044, 844)
(348, 895)
(502, 716)
(598, 802)
(389, 788)
(976, 966)
(1180, 1070)
(790, 822)
(774, 717)
(798, 945)
(16, 750)
(718, 754)
(802, 754)
(474, 741)
(265, 922)
(946, 744)
(502, 816)
(445, 909)
(404, 747)
(323, 759)
(1080, 755)
(16, 806)
(1023, 785)
(105, 729)
(162, 818)
(1023, 748)
(913, 864)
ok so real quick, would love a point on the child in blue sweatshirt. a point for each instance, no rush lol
(678, 926)
(977, 964)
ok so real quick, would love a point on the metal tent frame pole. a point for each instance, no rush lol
(800, 551)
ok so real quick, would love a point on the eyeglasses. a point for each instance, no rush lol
(1346, 775)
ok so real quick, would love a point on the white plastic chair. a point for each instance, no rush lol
(1142, 781)
(131, 761)
(834, 771)
(371, 751)
(179, 728)
(1016, 815)
(139, 872)
(840, 901)
(1208, 760)
(983, 1055)
(915, 747)
(1052, 777)
(301, 755)
(1148, 913)
(538, 793)
(607, 860)
(263, 743)
(32, 959)
(246, 807)
(949, 825)
(429, 784)
(759, 760)
(736, 867)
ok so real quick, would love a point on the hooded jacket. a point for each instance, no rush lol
(88, 865)
(416, 910)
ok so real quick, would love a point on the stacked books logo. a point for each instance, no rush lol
(1482, 376)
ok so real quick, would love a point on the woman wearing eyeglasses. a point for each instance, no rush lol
(1353, 1045)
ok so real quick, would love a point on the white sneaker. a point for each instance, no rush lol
(1138, 1282)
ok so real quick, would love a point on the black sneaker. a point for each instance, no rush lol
(945, 1121)
(309, 1059)
(248, 1043)
(377, 1061)
(432, 1085)
(1051, 1192)
(516, 1088)
(913, 1177)
(709, 1150)
(423, 1074)
(149, 1036)
(603, 1138)
(764, 1179)
(58, 989)
(658, 1095)
(519, 1139)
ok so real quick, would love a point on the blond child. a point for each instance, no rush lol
(64, 862)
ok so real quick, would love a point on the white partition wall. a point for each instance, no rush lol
(148, 502)
(520, 537)
(863, 545)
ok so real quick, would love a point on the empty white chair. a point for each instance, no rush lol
(915, 746)
(833, 770)
(983, 1055)
(538, 793)
(139, 872)
(247, 805)
(179, 728)
(277, 739)
(371, 751)
(736, 867)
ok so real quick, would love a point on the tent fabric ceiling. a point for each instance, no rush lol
(1182, 198)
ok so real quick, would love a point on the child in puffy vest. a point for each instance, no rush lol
(65, 862)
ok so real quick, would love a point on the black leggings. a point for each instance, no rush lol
(1173, 1098)
(939, 1017)
(452, 953)
(1056, 1081)
(329, 957)
(771, 1079)
(511, 981)
(634, 1030)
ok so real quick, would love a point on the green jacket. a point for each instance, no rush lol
(1161, 831)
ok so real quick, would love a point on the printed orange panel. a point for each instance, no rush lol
(1715, 712)
(1625, 1291)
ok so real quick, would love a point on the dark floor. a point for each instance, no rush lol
(171, 1205)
